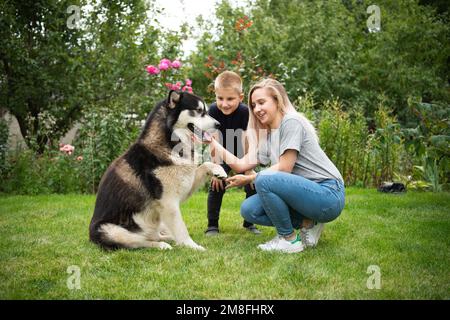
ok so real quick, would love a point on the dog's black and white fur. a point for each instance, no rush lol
(139, 196)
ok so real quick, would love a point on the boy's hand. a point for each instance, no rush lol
(217, 184)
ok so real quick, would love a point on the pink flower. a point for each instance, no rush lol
(164, 64)
(187, 88)
(170, 86)
(79, 158)
(152, 69)
(68, 149)
(166, 61)
(176, 64)
(189, 82)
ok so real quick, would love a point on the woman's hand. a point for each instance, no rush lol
(239, 180)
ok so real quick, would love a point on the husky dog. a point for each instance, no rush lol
(139, 196)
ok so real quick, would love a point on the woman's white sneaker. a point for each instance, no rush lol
(279, 243)
(310, 236)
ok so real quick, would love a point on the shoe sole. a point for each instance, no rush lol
(300, 249)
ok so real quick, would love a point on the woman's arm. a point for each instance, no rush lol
(287, 161)
(248, 162)
(286, 164)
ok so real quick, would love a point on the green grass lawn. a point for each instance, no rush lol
(406, 236)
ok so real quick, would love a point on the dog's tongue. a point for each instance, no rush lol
(206, 137)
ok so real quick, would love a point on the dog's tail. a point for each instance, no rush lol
(111, 237)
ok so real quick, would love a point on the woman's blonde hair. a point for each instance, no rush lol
(256, 130)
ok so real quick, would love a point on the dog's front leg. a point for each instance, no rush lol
(173, 220)
(203, 172)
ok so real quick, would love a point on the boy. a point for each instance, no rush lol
(233, 117)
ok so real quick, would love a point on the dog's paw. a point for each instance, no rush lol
(164, 246)
(218, 172)
(198, 247)
(191, 244)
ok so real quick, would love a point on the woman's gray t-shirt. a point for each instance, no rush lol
(312, 163)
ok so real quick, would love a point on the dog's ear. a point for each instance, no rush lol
(174, 98)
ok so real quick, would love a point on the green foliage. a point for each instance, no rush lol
(49, 172)
(344, 137)
(324, 47)
(51, 73)
(38, 61)
(430, 142)
(387, 144)
(104, 135)
(364, 158)
(102, 138)
(119, 48)
(4, 134)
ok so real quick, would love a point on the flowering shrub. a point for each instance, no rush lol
(103, 136)
(243, 23)
(162, 74)
(66, 148)
(152, 70)
(53, 171)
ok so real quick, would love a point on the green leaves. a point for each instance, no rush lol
(52, 69)
(324, 47)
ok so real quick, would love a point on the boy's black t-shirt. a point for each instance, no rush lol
(231, 126)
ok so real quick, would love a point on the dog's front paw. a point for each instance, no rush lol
(218, 172)
(191, 244)
(164, 246)
(198, 247)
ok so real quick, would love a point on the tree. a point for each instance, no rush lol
(38, 60)
(324, 47)
(53, 72)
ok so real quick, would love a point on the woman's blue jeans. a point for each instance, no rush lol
(284, 199)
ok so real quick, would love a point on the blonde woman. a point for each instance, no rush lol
(302, 188)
